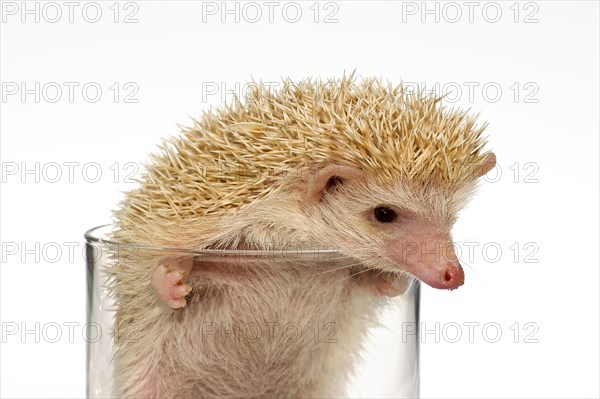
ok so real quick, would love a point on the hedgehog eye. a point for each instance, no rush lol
(333, 182)
(384, 214)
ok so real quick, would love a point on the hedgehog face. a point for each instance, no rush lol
(391, 225)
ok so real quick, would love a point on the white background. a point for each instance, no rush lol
(533, 70)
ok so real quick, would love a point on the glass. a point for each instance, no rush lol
(387, 365)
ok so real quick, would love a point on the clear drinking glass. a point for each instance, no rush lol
(388, 362)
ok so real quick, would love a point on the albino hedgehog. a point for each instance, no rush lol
(368, 169)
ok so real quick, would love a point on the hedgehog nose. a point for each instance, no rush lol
(453, 276)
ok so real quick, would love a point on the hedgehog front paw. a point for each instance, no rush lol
(168, 282)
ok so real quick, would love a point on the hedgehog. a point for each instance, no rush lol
(371, 171)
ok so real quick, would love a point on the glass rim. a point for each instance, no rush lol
(98, 235)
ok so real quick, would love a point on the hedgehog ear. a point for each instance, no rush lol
(328, 178)
(486, 165)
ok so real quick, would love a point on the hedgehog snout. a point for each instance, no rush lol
(429, 257)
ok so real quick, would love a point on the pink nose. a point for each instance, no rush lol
(453, 276)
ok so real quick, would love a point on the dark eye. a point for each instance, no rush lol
(384, 214)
